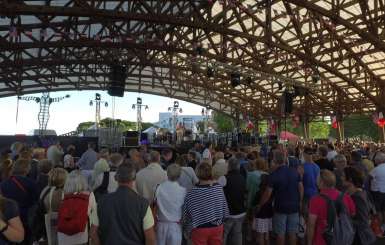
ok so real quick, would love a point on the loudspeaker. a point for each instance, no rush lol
(117, 80)
(288, 102)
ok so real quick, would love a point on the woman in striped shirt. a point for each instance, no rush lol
(205, 209)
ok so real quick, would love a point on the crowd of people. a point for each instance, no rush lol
(299, 193)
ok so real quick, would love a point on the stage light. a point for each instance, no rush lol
(97, 96)
(91, 103)
(235, 79)
(106, 104)
(139, 101)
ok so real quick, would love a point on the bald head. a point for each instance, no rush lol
(380, 158)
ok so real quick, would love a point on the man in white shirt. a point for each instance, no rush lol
(149, 177)
(331, 152)
(378, 184)
(170, 198)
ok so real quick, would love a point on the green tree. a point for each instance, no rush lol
(360, 126)
(84, 126)
(109, 122)
(319, 130)
(223, 122)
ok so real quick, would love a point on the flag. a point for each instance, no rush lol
(381, 120)
(250, 124)
(334, 122)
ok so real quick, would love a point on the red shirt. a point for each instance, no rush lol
(318, 207)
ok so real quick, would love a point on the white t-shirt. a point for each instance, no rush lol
(206, 154)
(170, 198)
(331, 155)
(378, 182)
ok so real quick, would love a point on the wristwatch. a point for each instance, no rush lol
(4, 228)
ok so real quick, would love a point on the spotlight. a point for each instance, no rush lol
(91, 103)
(106, 104)
(235, 79)
(98, 96)
(210, 71)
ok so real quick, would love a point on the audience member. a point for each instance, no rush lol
(76, 191)
(235, 192)
(377, 187)
(187, 178)
(69, 161)
(318, 207)
(125, 217)
(55, 154)
(340, 163)
(88, 158)
(286, 187)
(354, 182)
(11, 227)
(169, 200)
(23, 191)
(42, 180)
(310, 176)
(205, 209)
(148, 178)
(323, 162)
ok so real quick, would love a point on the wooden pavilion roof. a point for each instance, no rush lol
(56, 45)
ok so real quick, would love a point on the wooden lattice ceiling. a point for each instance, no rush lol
(69, 45)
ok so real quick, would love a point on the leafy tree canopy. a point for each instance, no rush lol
(109, 122)
(223, 122)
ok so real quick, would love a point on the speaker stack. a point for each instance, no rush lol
(117, 81)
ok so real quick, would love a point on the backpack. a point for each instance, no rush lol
(73, 214)
(339, 228)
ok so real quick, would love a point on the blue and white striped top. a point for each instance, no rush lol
(204, 204)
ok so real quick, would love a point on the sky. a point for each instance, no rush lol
(67, 114)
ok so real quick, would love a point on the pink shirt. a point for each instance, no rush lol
(318, 207)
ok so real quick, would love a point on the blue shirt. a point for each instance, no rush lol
(88, 160)
(311, 173)
(284, 182)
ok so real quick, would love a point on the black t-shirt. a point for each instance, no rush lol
(10, 211)
(324, 163)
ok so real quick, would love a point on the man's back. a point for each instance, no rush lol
(318, 207)
(88, 160)
(148, 178)
(284, 182)
(235, 192)
(311, 173)
(122, 217)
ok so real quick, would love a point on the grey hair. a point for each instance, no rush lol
(154, 156)
(173, 172)
(233, 164)
(126, 172)
(380, 158)
(75, 182)
(339, 158)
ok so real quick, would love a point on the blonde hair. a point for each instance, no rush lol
(204, 171)
(328, 178)
(57, 177)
